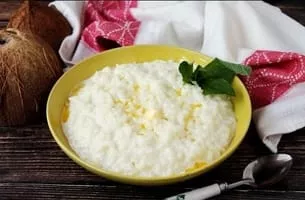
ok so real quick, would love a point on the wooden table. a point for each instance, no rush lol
(32, 166)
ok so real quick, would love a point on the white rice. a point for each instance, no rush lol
(142, 120)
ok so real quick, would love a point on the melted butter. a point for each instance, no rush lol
(178, 92)
(135, 111)
(76, 89)
(65, 111)
(136, 87)
(189, 116)
(142, 127)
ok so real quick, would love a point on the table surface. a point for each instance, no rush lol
(32, 166)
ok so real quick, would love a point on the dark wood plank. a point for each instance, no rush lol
(293, 8)
(297, 14)
(3, 24)
(28, 191)
(295, 4)
(31, 155)
(6, 8)
(259, 194)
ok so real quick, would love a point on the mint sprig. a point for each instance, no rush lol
(215, 78)
(187, 70)
(217, 86)
(237, 68)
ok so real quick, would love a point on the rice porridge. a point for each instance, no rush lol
(140, 119)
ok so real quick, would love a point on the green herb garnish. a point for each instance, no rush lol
(215, 78)
(186, 70)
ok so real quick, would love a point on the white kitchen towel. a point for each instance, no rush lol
(230, 30)
(73, 12)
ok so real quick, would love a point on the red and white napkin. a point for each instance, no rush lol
(250, 32)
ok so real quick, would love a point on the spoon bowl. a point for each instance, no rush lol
(267, 170)
(264, 171)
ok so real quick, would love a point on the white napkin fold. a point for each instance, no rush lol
(230, 30)
(73, 12)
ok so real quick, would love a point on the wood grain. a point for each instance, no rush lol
(289, 4)
(30, 155)
(297, 14)
(32, 166)
(119, 192)
(3, 24)
(7, 9)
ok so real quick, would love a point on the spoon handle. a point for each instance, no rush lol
(201, 193)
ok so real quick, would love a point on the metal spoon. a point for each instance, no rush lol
(264, 171)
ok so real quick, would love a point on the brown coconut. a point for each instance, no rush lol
(28, 69)
(46, 22)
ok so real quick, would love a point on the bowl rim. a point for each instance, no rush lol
(138, 180)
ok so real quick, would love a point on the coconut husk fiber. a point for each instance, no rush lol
(41, 20)
(28, 69)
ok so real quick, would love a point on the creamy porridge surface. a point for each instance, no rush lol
(142, 120)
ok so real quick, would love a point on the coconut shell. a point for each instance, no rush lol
(28, 69)
(41, 20)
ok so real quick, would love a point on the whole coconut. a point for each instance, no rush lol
(28, 69)
(41, 20)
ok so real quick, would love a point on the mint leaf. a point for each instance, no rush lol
(237, 68)
(215, 78)
(198, 74)
(186, 71)
(217, 86)
(216, 70)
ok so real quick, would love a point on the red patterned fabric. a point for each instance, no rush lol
(273, 73)
(110, 20)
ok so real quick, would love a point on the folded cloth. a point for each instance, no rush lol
(250, 32)
(277, 90)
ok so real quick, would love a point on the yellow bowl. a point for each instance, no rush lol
(139, 53)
